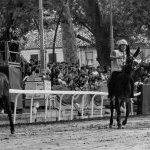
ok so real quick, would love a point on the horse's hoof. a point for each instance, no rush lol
(123, 127)
(119, 127)
(13, 132)
(79, 114)
(123, 122)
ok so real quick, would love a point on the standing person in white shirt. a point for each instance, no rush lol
(118, 58)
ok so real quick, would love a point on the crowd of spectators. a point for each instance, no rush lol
(72, 75)
(75, 77)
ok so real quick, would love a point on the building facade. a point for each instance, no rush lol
(86, 56)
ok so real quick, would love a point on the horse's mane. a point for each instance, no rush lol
(128, 67)
(4, 85)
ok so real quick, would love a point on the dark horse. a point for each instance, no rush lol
(120, 87)
(4, 99)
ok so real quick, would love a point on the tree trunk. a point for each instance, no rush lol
(55, 35)
(8, 21)
(6, 34)
(101, 32)
(68, 36)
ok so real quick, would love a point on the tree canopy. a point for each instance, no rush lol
(130, 19)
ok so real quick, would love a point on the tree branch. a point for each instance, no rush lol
(85, 39)
(36, 24)
(83, 23)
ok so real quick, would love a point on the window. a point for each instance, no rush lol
(89, 58)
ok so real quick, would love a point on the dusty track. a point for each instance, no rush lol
(88, 135)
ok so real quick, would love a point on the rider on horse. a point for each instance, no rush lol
(118, 60)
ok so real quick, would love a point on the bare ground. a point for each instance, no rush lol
(88, 135)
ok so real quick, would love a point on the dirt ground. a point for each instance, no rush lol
(88, 135)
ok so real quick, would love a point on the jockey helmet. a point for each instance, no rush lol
(122, 42)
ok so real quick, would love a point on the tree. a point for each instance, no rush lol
(17, 14)
(91, 17)
(68, 36)
(130, 19)
(22, 15)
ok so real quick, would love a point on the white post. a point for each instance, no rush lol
(46, 104)
(83, 105)
(42, 50)
(31, 109)
(72, 101)
(131, 101)
(102, 100)
(92, 106)
(59, 116)
(111, 29)
(15, 108)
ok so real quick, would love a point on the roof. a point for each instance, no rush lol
(33, 39)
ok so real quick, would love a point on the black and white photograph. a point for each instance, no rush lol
(75, 74)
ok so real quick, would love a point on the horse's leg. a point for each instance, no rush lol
(111, 111)
(1, 105)
(117, 105)
(8, 109)
(127, 112)
(132, 87)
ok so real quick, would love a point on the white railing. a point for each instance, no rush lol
(62, 93)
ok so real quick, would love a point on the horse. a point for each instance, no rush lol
(121, 87)
(4, 99)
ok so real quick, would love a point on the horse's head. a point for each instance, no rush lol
(131, 58)
(129, 65)
(132, 66)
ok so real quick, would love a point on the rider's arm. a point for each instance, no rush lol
(114, 57)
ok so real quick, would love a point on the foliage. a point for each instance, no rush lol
(14, 13)
(130, 19)
(24, 15)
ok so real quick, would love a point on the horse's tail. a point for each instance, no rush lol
(4, 85)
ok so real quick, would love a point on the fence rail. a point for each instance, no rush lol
(62, 93)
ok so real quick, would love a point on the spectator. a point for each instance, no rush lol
(69, 75)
